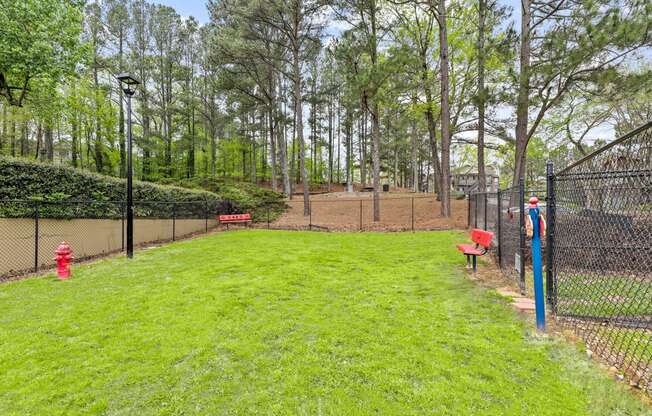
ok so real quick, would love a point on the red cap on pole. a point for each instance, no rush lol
(534, 201)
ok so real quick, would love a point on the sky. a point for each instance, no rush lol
(197, 8)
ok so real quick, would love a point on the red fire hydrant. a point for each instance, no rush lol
(63, 259)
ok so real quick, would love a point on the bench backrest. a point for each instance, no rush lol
(235, 217)
(482, 237)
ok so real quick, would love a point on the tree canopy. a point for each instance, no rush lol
(305, 93)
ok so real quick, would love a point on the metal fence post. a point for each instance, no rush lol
(310, 213)
(498, 230)
(361, 215)
(468, 212)
(485, 211)
(521, 222)
(206, 215)
(36, 217)
(174, 220)
(412, 214)
(122, 226)
(267, 206)
(475, 211)
(550, 235)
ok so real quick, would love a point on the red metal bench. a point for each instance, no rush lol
(234, 219)
(482, 240)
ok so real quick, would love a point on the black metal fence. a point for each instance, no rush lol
(598, 249)
(31, 230)
(602, 252)
(503, 213)
(407, 212)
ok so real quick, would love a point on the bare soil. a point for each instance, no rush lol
(344, 211)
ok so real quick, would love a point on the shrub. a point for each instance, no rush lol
(248, 197)
(71, 193)
(64, 192)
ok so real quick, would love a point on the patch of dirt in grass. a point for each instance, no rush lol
(399, 211)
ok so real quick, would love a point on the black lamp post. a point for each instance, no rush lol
(128, 84)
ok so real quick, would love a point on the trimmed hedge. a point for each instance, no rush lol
(247, 196)
(58, 186)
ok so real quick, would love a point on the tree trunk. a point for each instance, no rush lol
(191, 149)
(263, 141)
(74, 139)
(272, 149)
(349, 149)
(121, 115)
(522, 103)
(144, 110)
(395, 170)
(298, 114)
(40, 149)
(363, 148)
(445, 113)
(24, 144)
(375, 157)
(146, 169)
(293, 165)
(254, 147)
(330, 141)
(3, 137)
(413, 152)
(432, 125)
(283, 146)
(482, 9)
(13, 132)
(213, 138)
(339, 130)
(168, 141)
(49, 142)
(191, 127)
(99, 163)
(313, 134)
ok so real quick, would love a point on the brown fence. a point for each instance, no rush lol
(30, 231)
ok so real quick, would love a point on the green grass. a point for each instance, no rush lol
(285, 323)
(604, 295)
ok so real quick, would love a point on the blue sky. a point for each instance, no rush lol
(195, 8)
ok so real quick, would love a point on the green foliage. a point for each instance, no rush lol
(285, 323)
(247, 196)
(39, 39)
(24, 180)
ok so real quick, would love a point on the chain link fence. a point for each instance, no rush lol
(407, 212)
(503, 213)
(597, 251)
(30, 231)
(483, 210)
(601, 231)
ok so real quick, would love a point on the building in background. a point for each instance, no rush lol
(466, 180)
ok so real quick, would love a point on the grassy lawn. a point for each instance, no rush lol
(271, 322)
(604, 295)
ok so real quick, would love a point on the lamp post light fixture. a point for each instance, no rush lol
(128, 84)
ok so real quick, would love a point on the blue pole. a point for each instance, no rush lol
(537, 268)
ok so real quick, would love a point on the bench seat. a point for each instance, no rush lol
(482, 240)
(469, 249)
(234, 219)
